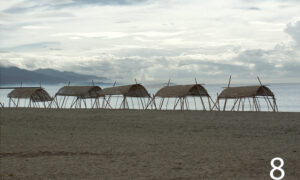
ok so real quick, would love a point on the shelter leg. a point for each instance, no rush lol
(167, 103)
(186, 103)
(29, 104)
(18, 102)
(216, 104)
(108, 103)
(154, 103)
(181, 104)
(239, 104)
(202, 103)
(126, 105)
(195, 103)
(142, 103)
(132, 103)
(73, 102)
(12, 100)
(275, 105)
(225, 104)
(209, 103)
(84, 101)
(254, 105)
(149, 101)
(249, 103)
(56, 102)
(93, 104)
(234, 104)
(176, 102)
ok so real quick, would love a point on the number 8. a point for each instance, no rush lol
(277, 168)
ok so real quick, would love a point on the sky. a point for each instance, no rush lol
(155, 40)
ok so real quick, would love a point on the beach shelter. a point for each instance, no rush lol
(31, 96)
(181, 95)
(247, 98)
(83, 96)
(250, 95)
(136, 93)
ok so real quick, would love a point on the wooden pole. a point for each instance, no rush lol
(236, 100)
(186, 103)
(176, 102)
(229, 81)
(195, 103)
(202, 103)
(167, 103)
(225, 104)
(209, 102)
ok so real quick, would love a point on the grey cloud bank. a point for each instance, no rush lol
(156, 40)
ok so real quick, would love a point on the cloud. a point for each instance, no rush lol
(154, 40)
(32, 5)
(39, 46)
(254, 8)
(35, 27)
(293, 29)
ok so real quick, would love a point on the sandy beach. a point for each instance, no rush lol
(132, 144)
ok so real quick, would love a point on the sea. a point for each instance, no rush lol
(287, 97)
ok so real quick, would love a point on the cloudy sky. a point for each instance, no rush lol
(154, 40)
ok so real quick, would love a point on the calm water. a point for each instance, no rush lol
(287, 96)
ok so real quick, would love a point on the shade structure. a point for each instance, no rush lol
(35, 95)
(182, 91)
(136, 92)
(245, 91)
(133, 90)
(80, 91)
(80, 94)
(181, 94)
(250, 95)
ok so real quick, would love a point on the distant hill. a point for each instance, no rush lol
(14, 75)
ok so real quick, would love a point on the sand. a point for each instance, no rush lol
(132, 144)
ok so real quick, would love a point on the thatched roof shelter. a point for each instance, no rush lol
(245, 91)
(182, 95)
(80, 91)
(133, 90)
(182, 91)
(253, 94)
(79, 95)
(33, 93)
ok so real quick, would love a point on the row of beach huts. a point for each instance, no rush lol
(136, 96)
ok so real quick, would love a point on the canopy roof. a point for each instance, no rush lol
(80, 91)
(35, 94)
(245, 91)
(133, 90)
(182, 91)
